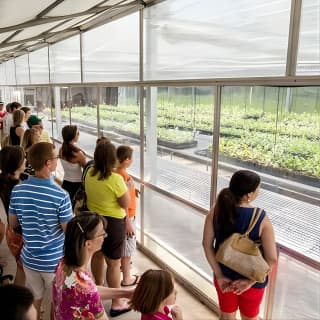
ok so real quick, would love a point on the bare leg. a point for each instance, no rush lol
(126, 275)
(20, 278)
(37, 305)
(98, 268)
(246, 318)
(113, 281)
(227, 316)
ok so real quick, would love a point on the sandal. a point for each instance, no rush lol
(136, 278)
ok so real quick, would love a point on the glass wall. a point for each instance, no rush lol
(22, 69)
(179, 126)
(111, 52)
(65, 61)
(309, 41)
(39, 68)
(209, 38)
(297, 294)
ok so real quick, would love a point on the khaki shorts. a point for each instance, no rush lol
(38, 282)
(130, 243)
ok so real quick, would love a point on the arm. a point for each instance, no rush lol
(19, 132)
(114, 293)
(124, 202)
(268, 242)
(64, 226)
(81, 158)
(13, 220)
(207, 242)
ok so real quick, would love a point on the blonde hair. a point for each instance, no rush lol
(17, 117)
(29, 138)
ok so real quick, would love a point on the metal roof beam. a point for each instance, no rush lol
(39, 21)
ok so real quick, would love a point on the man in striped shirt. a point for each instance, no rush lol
(42, 209)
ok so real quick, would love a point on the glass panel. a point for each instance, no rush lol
(309, 41)
(107, 57)
(297, 294)
(39, 70)
(210, 38)
(43, 108)
(120, 120)
(179, 126)
(82, 104)
(2, 73)
(65, 61)
(10, 72)
(276, 132)
(22, 69)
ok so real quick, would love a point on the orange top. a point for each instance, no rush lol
(132, 191)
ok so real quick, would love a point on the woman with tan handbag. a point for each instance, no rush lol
(232, 213)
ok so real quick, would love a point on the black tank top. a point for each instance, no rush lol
(15, 140)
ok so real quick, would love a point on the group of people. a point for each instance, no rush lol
(55, 249)
(18, 126)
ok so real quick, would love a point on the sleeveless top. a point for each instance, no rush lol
(72, 171)
(15, 139)
(241, 226)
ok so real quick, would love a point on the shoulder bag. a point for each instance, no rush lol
(241, 254)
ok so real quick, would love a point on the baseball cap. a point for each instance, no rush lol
(33, 120)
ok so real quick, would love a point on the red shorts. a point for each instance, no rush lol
(248, 302)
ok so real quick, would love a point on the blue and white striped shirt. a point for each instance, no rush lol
(41, 206)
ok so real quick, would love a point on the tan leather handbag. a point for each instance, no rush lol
(241, 254)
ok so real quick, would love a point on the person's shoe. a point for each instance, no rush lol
(118, 312)
(135, 281)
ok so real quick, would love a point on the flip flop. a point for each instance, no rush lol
(136, 278)
(116, 312)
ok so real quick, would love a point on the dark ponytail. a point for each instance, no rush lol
(225, 210)
(242, 182)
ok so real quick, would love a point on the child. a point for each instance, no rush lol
(154, 292)
(124, 156)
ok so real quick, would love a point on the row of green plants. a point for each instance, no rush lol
(285, 140)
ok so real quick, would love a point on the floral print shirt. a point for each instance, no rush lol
(75, 295)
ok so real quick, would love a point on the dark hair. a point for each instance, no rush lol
(104, 160)
(15, 105)
(79, 229)
(225, 210)
(15, 301)
(68, 149)
(8, 107)
(25, 109)
(39, 154)
(103, 139)
(154, 286)
(123, 153)
(11, 159)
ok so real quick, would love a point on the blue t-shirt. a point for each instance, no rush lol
(241, 225)
(41, 206)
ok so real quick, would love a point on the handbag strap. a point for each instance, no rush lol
(254, 219)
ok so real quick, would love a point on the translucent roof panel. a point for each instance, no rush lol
(65, 61)
(111, 52)
(10, 72)
(2, 74)
(213, 38)
(22, 69)
(309, 41)
(39, 69)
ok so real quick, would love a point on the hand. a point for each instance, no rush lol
(224, 284)
(2, 230)
(241, 285)
(130, 230)
(130, 183)
(137, 193)
(176, 313)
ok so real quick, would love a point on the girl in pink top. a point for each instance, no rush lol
(154, 292)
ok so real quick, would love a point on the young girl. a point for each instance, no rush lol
(154, 292)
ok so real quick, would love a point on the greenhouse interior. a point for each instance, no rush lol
(198, 89)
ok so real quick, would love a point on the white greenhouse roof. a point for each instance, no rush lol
(29, 25)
